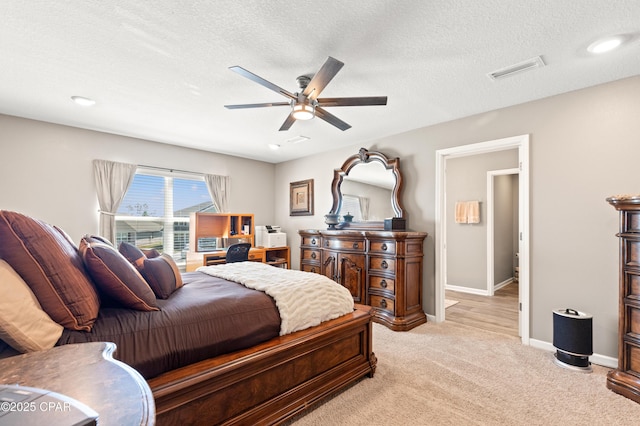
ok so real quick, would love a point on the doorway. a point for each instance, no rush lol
(521, 143)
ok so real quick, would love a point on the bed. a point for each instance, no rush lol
(256, 375)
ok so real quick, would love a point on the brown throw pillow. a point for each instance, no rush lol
(98, 239)
(132, 253)
(161, 272)
(52, 268)
(150, 253)
(116, 277)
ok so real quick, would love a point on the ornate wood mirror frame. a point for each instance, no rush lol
(362, 157)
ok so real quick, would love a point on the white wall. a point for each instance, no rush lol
(584, 147)
(505, 227)
(466, 180)
(46, 172)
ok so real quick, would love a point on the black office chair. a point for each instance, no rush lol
(238, 252)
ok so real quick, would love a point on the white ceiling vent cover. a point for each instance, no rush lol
(527, 65)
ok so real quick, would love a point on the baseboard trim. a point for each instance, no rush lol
(478, 291)
(503, 284)
(603, 360)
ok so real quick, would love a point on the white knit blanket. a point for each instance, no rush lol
(304, 299)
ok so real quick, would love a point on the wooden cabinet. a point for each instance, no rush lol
(343, 260)
(625, 380)
(229, 226)
(310, 253)
(278, 256)
(382, 269)
(347, 269)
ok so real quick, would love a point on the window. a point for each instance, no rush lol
(351, 205)
(155, 211)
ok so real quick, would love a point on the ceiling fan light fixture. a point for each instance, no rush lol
(303, 111)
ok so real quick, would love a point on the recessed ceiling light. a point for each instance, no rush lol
(274, 146)
(81, 100)
(606, 44)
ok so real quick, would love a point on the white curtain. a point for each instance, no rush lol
(112, 180)
(219, 191)
(364, 207)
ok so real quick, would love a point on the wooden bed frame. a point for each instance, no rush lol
(271, 382)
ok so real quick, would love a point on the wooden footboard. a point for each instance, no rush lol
(271, 382)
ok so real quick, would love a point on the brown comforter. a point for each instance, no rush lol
(207, 317)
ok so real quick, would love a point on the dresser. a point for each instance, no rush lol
(625, 380)
(382, 269)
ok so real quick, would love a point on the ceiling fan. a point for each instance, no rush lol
(306, 104)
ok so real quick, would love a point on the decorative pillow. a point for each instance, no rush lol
(23, 323)
(116, 277)
(97, 239)
(52, 268)
(162, 274)
(150, 253)
(132, 253)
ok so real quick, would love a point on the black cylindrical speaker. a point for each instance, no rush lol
(573, 337)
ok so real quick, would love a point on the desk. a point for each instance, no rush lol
(276, 256)
(88, 373)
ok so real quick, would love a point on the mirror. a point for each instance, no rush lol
(366, 190)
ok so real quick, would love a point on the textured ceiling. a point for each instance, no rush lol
(159, 69)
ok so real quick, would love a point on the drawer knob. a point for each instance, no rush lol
(313, 255)
(383, 283)
(313, 242)
(383, 303)
(356, 245)
(384, 264)
(326, 243)
(313, 269)
(384, 246)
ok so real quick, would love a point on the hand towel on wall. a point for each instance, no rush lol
(473, 211)
(461, 212)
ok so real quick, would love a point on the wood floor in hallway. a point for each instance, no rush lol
(498, 313)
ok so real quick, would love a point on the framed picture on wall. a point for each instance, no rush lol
(301, 198)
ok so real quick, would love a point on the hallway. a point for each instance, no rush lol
(498, 313)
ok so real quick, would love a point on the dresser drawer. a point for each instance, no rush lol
(381, 283)
(382, 247)
(383, 303)
(383, 264)
(310, 241)
(311, 255)
(310, 268)
(351, 245)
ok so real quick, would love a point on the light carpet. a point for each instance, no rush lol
(452, 374)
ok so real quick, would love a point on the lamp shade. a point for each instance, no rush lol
(303, 111)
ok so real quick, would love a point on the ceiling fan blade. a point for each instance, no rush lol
(319, 81)
(287, 123)
(358, 101)
(266, 104)
(261, 81)
(331, 119)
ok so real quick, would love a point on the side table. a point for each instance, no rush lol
(88, 373)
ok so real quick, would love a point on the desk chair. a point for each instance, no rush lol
(238, 252)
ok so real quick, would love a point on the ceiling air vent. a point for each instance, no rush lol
(527, 65)
(298, 139)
